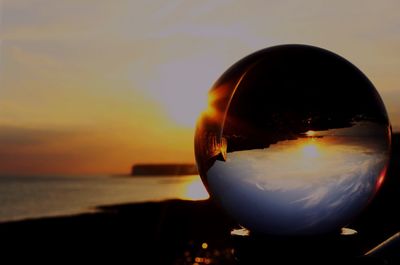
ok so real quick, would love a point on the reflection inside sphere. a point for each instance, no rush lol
(295, 141)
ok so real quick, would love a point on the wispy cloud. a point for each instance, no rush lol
(22, 137)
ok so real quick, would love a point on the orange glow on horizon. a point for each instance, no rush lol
(126, 82)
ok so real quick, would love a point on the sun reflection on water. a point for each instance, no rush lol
(195, 190)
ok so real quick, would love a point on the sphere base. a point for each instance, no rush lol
(342, 245)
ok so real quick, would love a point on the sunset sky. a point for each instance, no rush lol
(91, 87)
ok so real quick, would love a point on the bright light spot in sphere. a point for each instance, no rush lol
(310, 133)
(310, 151)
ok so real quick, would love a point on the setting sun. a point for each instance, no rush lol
(195, 190)
(310, 150)
(310, 133)
(79, 98)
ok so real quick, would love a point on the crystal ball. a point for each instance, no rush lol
(295, 141)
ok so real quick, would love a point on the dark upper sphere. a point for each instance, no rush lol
(280, 93)
(287, 90)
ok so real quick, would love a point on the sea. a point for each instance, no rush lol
(29, 197)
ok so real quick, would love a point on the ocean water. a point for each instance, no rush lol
(43, 196)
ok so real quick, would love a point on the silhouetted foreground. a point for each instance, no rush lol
(155, 232)
(187, 232)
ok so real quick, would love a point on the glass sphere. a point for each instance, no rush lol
(295, 141)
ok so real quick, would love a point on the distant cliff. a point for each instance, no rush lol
(163, 169)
